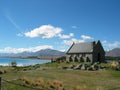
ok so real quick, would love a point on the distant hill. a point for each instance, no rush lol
(49, 52)
(114, 52)
(44, 52)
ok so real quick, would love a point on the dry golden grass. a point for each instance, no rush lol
(27, 81)
(114, 64)
(55, 84)
(40, 82)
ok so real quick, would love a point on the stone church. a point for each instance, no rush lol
(86, 52)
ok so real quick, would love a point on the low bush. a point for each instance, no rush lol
(114, 65)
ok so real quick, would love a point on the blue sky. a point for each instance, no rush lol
(31, 25)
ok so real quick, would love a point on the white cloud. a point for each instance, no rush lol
(84, 37)
(68, 42)
(71, 41)
(19, 50)
(44, 31)
(63, 50)
(47, 31)
(109, 45)
(66, 36)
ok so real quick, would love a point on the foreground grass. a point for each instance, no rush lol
(71, 79)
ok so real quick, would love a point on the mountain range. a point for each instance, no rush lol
(43, 52)
(114, 52)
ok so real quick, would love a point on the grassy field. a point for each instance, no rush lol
(70, 79)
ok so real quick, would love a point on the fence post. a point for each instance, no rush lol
(0, 83)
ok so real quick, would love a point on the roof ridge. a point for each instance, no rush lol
(87, 42)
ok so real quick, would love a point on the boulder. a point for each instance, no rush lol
(78, 66)
(84, 67)
(71, 66)
(118, 68)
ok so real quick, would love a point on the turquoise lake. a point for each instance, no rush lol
(21, 62)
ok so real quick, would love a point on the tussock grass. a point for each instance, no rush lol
(42, 84)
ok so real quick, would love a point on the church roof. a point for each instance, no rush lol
(86, 47)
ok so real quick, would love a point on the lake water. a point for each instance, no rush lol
(21, 62)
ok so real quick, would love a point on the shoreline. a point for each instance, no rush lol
(5, 61)
(33, 57)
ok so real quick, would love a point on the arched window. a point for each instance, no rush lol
(76, 60)
(87, 59)
(70, 59)
(81, 59)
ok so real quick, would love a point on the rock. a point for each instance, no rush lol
(96, 67)
(78, 66)
(91, 68)
(118, 68)
(71, 66)
(83, 67)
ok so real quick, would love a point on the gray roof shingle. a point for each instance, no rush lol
(81, 48)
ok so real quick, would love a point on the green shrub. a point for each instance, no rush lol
(13, 64)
